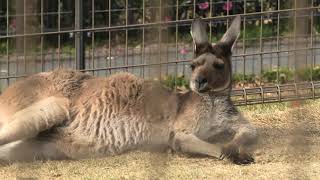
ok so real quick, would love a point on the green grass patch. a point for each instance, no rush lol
(172, 81)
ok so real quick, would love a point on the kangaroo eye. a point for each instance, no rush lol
(218, 66)
(192, 66)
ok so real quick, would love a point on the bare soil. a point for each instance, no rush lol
(289, 148)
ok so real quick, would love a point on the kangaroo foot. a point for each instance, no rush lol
(242, 159)
(233, 154)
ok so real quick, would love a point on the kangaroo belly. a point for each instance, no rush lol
(114, 115)
(104, 137)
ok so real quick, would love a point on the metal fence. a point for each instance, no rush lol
(275, 59)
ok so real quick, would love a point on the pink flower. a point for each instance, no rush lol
(13, 24)
(203, 6)
(227, 6)
(183, 51)
(167, 18)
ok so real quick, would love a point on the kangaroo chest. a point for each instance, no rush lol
(214, 120)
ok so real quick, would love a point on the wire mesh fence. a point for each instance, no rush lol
(276, 57)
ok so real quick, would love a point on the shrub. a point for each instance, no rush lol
(171, 81)
(269, 76)
(285, 75)
(3, 48)
(305, 74)
(243, 78)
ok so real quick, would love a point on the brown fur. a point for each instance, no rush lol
(68, 114)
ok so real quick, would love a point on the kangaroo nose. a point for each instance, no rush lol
(201, 82)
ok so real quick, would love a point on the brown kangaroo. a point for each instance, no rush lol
(67, 114)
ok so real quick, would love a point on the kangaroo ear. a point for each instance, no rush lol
(199, 32)
(232, 34)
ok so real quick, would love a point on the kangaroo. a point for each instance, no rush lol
(66, 114)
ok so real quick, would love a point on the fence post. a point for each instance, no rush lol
(79, 38)
(301, 31)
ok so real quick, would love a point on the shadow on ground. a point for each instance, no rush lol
(289, 148)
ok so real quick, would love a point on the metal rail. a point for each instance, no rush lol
(151, 40)
(157, 24)
(276, 93)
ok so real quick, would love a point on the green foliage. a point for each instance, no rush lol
(185, 11)
(172, 81)
(246, 78)
(306, 74)
(268, 76)
(68, 49)
(316, 73)
(3, 48)
(285, 75)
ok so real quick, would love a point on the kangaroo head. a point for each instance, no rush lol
(211, 68)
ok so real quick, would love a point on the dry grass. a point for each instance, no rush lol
(289, 148)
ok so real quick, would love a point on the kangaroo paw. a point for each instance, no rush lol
(233, 154)
(243, 159)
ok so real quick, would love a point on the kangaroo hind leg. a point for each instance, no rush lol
(40, 116)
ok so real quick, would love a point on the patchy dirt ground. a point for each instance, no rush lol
(289, 148)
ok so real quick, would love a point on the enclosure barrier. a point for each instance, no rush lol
(276, 93)
(276, 58)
